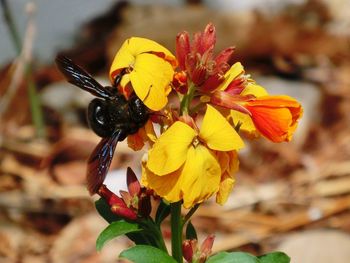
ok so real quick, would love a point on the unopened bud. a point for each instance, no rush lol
(207, 244)
(188, 249)
(205, 249)
(124, 211)
(109, 196)
(182, 48)
(133, 183)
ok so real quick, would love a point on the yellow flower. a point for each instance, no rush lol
(183, 163)
(148, 66)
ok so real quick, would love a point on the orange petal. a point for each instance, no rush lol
(275, 117)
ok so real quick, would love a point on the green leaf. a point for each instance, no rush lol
(162, 212)
(190, 231)
(105, 211)
(274, 257)
(233, 257)
(146, 254)
(115, 229)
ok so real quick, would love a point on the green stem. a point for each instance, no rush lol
(34, 100)
(161, 243)
(176, 231)
(11, 25)
(156, 234)
(185, 103)
(35, 104)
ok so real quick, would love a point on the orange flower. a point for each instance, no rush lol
(254, 110)
(275, 117)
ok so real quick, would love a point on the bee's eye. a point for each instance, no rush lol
(98, 118)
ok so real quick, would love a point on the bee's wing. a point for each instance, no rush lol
(100, 160)
(79, 77)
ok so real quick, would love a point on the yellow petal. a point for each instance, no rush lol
(170, 151)
(200, 176)
(167, 186)
(197, 180)
(150, 79)
(235, 70)
(139, 45)
(245, 121)
(254, 89)
(229, 160)
(133, 47)
(125, 80)
(234, 162)
(226, 185)
(218, 133)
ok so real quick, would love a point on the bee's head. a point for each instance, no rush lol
(99, 118)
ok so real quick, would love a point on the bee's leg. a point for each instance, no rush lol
(119, 77)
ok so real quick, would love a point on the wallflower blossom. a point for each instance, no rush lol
(274, 117)
(183, 163)
(148, 66)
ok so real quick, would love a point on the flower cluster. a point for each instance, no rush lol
(193, 140)
(194, 156)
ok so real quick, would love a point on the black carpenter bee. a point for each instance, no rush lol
(111, 116)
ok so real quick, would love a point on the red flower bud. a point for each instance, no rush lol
(225, 56)
(188, 249)
(206, 247)
(182, 48)
(124, 212)
(117, 204)
(204, 42)
(109, 196)
(132, 182)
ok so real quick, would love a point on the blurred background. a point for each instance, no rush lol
(291, 197)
